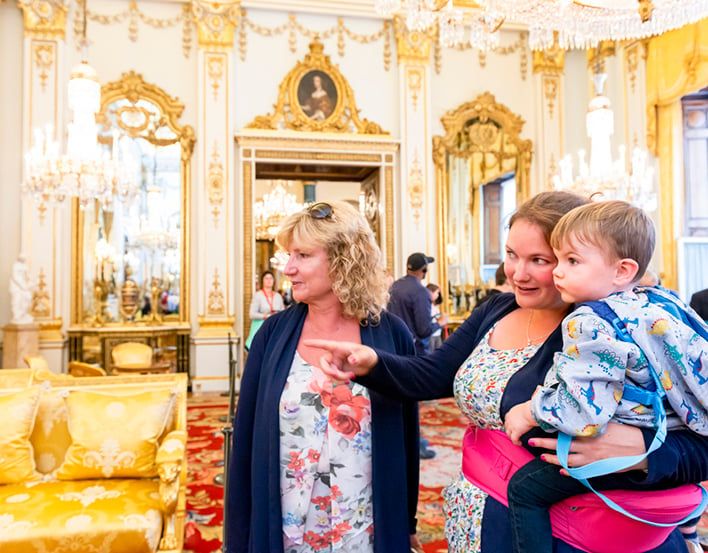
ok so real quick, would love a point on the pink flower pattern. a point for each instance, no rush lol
(325, 452)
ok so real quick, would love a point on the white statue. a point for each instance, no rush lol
(21, 293)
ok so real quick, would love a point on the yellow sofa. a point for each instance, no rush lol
(93, 464)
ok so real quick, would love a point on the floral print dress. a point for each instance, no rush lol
(325, 463)
(478, 388)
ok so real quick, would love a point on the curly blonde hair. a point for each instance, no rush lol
(356, 266)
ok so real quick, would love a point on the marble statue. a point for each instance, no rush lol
(21, 289)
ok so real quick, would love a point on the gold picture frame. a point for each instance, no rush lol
(293, 110)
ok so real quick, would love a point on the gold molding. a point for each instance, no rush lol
(549, 61)
(215, 183)
(605, 49)
(412, 46)
(44, 18)
(133, 88)
(215, 327)
(215, 301)
(550, 92)
(290, 113)
(416, 185)
(484, 127)
(216, 21)
(41, 299)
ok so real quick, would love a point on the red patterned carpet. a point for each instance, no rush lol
(441, 423)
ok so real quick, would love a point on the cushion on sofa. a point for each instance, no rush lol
(81, 516)
(16, 454)
(114, 435)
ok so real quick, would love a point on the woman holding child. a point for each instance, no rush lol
(494, 361)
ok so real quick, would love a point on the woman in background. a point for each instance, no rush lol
(265, 302)
(317, 465)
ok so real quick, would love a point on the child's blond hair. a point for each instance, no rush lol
(617, 227)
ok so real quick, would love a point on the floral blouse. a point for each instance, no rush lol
(478, 388)
(325, 463)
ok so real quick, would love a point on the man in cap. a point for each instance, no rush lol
(410, 300)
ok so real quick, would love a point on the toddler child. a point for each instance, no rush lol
(603, 248)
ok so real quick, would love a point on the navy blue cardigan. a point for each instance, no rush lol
(682, 459)
(252, 514)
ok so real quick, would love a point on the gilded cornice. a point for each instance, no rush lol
(412, 46)
(216, 21)
(44, 18)
(596, 56)
(550, 61)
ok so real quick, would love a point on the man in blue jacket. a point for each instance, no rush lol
(410, 300)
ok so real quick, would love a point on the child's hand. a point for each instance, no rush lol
(519, 421)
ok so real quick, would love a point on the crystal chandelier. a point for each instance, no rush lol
(602, 177)
(270, 211)
(84, 171)
(570, 23)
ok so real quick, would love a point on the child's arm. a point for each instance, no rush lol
(519, 421)
(590, 372)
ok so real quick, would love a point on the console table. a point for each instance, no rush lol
(170, 344)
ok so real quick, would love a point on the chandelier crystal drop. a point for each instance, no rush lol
(85, 170)
(568, 23)
(601, 177)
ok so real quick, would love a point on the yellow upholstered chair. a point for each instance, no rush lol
(36, 362)
(78, 368)
(135, 358)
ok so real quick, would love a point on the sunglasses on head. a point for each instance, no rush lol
(320, 210)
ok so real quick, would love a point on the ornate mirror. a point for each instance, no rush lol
(482, 168)
(132, 252)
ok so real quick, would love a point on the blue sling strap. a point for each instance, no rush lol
(654, 397)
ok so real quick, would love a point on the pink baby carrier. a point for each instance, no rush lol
(584, 521)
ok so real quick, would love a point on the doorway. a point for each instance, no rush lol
(302, 169)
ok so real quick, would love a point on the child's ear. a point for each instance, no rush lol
(627, 270)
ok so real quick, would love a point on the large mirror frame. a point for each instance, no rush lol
(135, 121)
(487, 136)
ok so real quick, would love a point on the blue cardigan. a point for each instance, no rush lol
(252, 514)
(682, 459)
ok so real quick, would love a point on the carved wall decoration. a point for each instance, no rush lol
(413, 46)
(315, 96)
(596, 56)
(215, 23)
(415, 188)
(632, 60)
(518, 46)
(45, 18)
(293, 27)
(415, 83)
(550, 91)
(41, 302)
(549, 61)
(216, 183)
(43, 61)
(134, 15)
(216, 297)
(215, 69)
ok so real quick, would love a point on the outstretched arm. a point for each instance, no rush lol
(344, 360)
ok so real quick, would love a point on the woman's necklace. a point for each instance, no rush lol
(530, 340)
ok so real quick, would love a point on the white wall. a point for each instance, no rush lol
(11, 37)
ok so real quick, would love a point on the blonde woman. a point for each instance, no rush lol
(319, 465)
